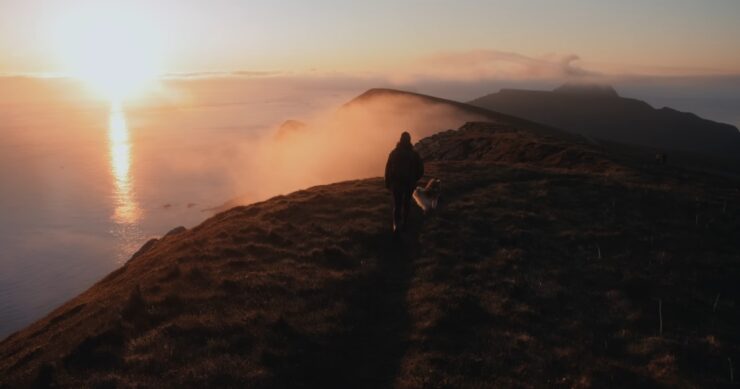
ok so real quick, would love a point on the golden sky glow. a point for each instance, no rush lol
(135, 38)
(109, 48)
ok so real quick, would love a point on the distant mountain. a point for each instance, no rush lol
(433, 114)
(375, 94)
(599, 90)
(290, 127)
(597, 111)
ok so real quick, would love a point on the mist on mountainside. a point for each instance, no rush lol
(349, 143)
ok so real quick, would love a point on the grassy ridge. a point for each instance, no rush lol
(548, 263)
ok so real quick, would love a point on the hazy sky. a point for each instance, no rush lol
(648, 36)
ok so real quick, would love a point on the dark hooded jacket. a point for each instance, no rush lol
(404, 167)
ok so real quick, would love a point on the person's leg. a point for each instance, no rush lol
(397, 208)
(407, 196)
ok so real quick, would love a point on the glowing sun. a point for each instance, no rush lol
(115, 50)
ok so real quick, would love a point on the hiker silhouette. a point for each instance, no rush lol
(403, 170)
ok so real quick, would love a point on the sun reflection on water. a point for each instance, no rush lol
(127, 210)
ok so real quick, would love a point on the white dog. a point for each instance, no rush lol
(428, 196)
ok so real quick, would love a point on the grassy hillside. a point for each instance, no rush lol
(548, 263)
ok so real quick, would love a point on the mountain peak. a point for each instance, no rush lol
(377, 92)
(601, 90)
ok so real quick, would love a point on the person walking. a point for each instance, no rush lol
(403, 169)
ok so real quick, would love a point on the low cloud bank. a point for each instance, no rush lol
(353, 142)
(493, 64)
(349, 143)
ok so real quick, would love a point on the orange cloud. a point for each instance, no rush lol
(492, 64)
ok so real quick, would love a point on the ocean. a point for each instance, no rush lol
(84, 183)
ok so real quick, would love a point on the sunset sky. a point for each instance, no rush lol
(646, 37)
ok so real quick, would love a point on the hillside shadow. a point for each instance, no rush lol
(379, 315)
(375, 325)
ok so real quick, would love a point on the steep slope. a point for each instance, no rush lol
(395, 104)
(376, 94)
(599, 112)
(547, 264)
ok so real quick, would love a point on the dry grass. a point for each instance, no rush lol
(543, 267)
